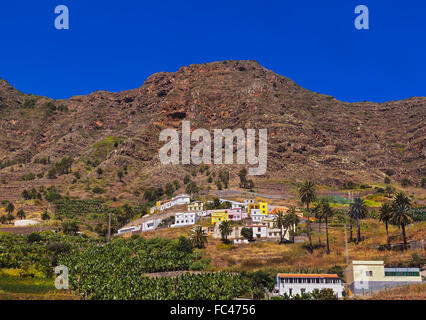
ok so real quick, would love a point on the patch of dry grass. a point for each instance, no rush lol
(409, 292)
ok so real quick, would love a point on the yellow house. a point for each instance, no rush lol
(196, 206)
(262, 206)
(219, 215)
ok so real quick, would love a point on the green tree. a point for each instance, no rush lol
(21, 214)
(401, 213)
(358, 210)
(323, 294)
(225, 229)
(10, 208)
(307, 195)
(327, 213)
(125, 214)
(293, 220)
(318, 212)
(120, 175)
(198, 237)
(385, 217)
(99, 172)
(176, 184)
(247, 233)
(224, 178)
(191, 188)
(280, 223)
(70, 227)
(186, 179)
(45, 215)
(218, 185)
(169, 189)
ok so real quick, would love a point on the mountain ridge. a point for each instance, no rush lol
(310, 135)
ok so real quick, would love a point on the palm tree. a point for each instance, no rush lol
(401, 213)
(318, 211)
(307, 195)
(358, 211)
(401, 199)
(327, 213)
(385, 217)
(198, 237)
(10, 208)
(225, 230)
(21, 214)
(280, 223)
(293, 220)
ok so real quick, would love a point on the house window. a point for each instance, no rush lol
(369, 273)
(290, 291)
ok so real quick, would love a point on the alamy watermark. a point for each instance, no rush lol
(174, 152)
(62, 21)
(61, 281)
(362, 21)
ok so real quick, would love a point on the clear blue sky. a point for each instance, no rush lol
(116, 45)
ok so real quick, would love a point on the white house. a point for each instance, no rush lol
(256, 216)
(150, 224)
(185, 219)
(259, 230)
(293, 284)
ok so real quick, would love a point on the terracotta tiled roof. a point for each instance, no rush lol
(306, 275)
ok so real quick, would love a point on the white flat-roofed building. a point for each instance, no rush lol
(129, 229)
(293, 283)
(368, 276)
(185, 219)
(150, 224)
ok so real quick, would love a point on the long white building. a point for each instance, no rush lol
(293, 283)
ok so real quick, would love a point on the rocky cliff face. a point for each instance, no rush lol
(310, 135)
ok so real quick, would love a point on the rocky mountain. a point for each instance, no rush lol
(310, 135)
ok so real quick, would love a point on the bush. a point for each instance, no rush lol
(70, 227)
(98, 190)
(387, 180)
(405, 182)
(247, 233)
(28, 177)
(336, 269)
(34, 237)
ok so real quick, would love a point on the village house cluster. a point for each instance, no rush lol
(258, 216)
